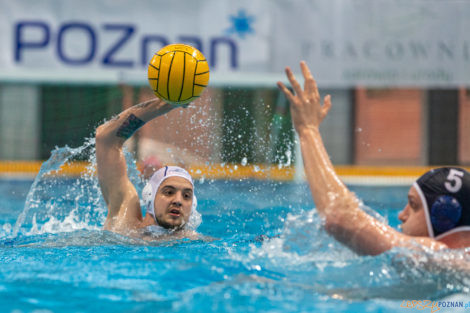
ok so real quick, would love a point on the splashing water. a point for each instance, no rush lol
(309, 257)
(56, 203)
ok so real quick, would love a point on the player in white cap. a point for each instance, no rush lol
(169, 195)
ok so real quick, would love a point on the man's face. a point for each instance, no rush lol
(173, 202)
(413, 216)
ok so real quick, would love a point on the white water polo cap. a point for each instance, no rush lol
(150, 191)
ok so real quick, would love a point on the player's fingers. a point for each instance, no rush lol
(326, 105)
(295, 85)
(286, 91)
(310, 83)
(305, 70)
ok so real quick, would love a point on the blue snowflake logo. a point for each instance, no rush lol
(241, 24)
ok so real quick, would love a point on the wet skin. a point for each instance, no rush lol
(173, 202)
(413, 216)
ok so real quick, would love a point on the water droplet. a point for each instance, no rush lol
(244, 161)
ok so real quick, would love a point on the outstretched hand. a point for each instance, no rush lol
(305, 105)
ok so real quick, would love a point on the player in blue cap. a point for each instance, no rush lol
(444, 194)
(437, 215)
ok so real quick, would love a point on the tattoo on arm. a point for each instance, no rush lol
(129, 126)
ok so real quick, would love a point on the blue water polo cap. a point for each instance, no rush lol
(445, 194)
(445, 213)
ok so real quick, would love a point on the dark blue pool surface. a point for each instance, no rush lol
(269, 254)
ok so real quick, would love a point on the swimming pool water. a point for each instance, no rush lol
(269, 253)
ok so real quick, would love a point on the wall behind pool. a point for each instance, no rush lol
(400, 90)
(379, 127)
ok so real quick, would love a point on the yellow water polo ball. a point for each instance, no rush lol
(178, 73)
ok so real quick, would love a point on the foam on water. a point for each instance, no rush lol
(58, 204)
(308, 256)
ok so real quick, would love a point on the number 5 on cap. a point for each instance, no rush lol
(454, 182)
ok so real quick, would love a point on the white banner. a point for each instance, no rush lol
(346, 42)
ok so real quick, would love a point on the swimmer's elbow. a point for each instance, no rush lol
(102, 135)
(355, 238)
(99, 134)
(335, 227)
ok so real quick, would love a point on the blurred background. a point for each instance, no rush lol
(398, 73)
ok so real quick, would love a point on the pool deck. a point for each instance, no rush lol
(351, 174)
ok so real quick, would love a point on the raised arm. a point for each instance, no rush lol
(119, 193)
(333, 200)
